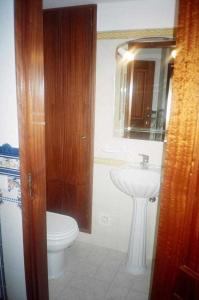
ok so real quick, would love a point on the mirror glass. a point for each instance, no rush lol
(144, 70)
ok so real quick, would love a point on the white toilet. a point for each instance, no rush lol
(61, 233)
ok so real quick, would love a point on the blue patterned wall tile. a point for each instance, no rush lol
(9, 162)
(7, 150)
(10, 190)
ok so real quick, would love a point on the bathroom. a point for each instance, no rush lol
(101, 254)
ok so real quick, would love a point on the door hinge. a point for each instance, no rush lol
(30, 184)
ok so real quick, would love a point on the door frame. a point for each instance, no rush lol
(30, 105)
(176, 266)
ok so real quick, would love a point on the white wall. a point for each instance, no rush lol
(11, 218)
(122, 15)
(8, 110)
(11, 226)
(106, 145)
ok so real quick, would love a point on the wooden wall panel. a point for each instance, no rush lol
(69, 59)
(176, 272)
(30, 98)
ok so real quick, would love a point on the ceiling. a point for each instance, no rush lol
(60, 3)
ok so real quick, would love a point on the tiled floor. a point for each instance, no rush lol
(96, 273)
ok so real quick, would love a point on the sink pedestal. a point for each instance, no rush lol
(136, 263)
(141, 185)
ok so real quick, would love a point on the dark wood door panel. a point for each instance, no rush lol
(71, 199)
(186, 286)
(141, 82)
(138, 108)
(31, 119)
(176, 270)
(139, 79)
(142, 95)
(69, 95)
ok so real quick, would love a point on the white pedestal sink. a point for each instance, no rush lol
(140, 184)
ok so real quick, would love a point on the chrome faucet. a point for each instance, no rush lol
(145, 161)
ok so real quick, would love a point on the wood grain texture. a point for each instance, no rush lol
(176, 272)
(138, 107)
(69, 64)
(143, 81)
(30, 99)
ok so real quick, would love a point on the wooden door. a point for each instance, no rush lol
(69, 64)
(139, 105)
(142, 93)
(30, 98)
(176, 271)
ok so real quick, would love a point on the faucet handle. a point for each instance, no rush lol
(145, 157)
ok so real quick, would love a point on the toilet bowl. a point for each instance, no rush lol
(61, 233)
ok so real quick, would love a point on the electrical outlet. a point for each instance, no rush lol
(104, 219)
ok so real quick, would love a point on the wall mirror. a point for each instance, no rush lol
(144, 69)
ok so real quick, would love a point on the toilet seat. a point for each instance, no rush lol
(60, 226)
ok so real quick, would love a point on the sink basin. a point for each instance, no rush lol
(137, 182)
(140, 184)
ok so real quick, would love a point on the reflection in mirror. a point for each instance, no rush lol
(143, 88)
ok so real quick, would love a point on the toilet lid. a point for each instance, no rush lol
(60, 226)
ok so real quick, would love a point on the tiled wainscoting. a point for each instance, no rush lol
(2, 277)
(9, 175)
(9, 192)
(97, 273)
